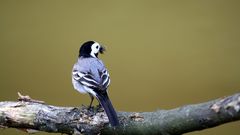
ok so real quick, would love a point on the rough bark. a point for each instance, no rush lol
(33, 114)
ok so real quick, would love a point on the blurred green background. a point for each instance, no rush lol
(160, 54)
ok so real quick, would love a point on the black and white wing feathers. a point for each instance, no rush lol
(87, 79)
(105, 79)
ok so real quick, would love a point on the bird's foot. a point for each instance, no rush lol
(99, 108)
(90, 108)
(87, 110)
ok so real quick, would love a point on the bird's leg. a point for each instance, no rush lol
(99, 105)
(100, 108)
(92, 98)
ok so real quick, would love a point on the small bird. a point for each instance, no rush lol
(89, 75)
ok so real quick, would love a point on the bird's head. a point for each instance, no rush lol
(91, 49)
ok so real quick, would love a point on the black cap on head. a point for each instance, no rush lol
(85, 49)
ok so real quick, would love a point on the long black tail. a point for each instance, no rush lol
(108, 108)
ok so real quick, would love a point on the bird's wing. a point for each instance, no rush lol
(86, 79)
(93, 75)
(105, 78)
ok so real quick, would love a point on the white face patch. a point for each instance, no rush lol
(95, 49)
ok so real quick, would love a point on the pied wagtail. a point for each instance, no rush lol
(89, 75)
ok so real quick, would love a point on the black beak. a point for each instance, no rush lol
(102, 49)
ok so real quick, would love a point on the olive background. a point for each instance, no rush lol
(161, 54)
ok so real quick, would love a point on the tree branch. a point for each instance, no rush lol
(33, 114)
